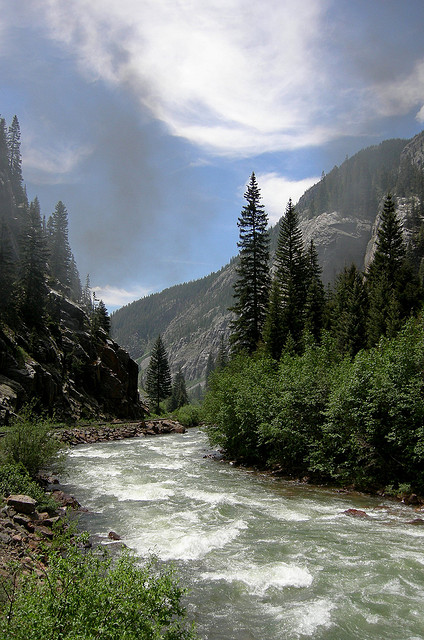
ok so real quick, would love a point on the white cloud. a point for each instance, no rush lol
(420, 115)
(233, 76)
(398, 97)
(276, 191)
(51, 165)
(114, 297)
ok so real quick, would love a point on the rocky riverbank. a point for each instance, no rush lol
(113, 431)
(25, 532)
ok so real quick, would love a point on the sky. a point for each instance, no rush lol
(147, 117)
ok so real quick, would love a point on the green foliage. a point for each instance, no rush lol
(15, 479)
(60, 254)
(189, 415)
(29, 441)
(251, 289)
(84, 594)
(373, 434)
(354, 421)
(33, 268)
(292, 277)
(240, 400)
(158, 375)
(179, 396)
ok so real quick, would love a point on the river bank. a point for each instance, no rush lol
(25, 533)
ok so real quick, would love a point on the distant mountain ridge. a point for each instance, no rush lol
(340, 213)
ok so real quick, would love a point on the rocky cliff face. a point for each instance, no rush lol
(67, 370)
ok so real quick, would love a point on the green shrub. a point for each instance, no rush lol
(29, 440)
(87, 595)
(189, 415)
(14, 478)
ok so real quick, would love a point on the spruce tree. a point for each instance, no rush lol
(391, 297)
(251, 289)
(158, 376)
(60, 251)
(349, 311)
(74, 281)
(33, 268)
(15, 161)
(315, 294)
(7, 273)
(291, 275)
(273, 328)
(100, 317)
(179, 396)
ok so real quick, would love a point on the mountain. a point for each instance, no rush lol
(340, 213)
(55, 351)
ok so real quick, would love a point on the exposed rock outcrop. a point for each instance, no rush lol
(67, 370)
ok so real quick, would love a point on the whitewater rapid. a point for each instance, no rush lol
(264, 559)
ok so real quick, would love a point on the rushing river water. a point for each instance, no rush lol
(265, 559)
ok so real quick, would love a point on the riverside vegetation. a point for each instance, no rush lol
(328, 386)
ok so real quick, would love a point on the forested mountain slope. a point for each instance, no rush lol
(55, 351)
(340, 213)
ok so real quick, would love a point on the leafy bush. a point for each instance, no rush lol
(14, 478)
(355, 421)
(30, 441)
(240, 400)
(86, 595)
(189, 415)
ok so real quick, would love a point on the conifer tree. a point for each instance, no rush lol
(391, 296)
(60, 251)
(222, 355)
(33, 268)
(100, 317)
(251, 289)
(349, 311)
(179, 396)
(273, 328)
(291, 277)
(158, 376)
(74, 281)
(86, 297)
(15, 161)
(7, 272)
(315, 294)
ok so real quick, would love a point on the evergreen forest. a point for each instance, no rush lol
(325, 384)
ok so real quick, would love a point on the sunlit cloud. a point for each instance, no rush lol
(221, 74)
(114, 297)
(276, 191)
(51, 165)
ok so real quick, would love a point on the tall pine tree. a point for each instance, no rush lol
(60, 252)
(392, 287)
(315, 294)
(290, 289)
(158, 375)
(251, 289)
(15, 161)
(33, 268)
(349, 311)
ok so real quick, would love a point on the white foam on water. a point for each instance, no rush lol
(211, 497)
(92, 452)
(151, 491)
(310, 617)
(167, 464)
(177, 544)
(259, 578)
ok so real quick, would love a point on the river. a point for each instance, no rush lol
(265, 559)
